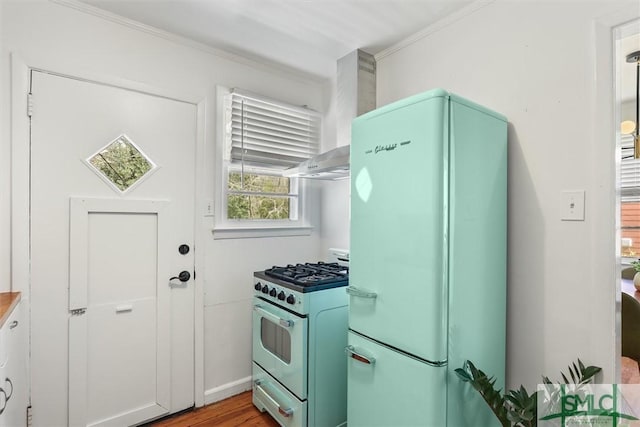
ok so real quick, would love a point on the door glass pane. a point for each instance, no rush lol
(121, 162)
(276, 339)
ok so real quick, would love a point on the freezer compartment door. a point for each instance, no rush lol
(399, 181)
(387, 388)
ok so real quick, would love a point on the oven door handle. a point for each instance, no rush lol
(357, 292)
(285, 412)
(286, 323)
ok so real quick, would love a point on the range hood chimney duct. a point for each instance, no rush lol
(356, 95)
(356, 81)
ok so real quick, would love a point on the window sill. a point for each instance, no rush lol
(257, 232)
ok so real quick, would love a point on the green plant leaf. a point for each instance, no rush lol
(588, 373)
(485, 386)
(581, 365)
(573, 372)
(579, 374)
(463, 375)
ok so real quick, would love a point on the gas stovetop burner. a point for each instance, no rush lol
(310, 274)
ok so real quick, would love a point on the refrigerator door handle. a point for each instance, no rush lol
(356, 292)
(351, 351)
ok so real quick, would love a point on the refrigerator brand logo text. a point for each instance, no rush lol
(388, 147)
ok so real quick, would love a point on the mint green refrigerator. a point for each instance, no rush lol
(428, 261)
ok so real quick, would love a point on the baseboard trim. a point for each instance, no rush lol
(224, 391)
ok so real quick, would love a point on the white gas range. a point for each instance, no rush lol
(299, 335)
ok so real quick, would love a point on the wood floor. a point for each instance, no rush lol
(235, 411)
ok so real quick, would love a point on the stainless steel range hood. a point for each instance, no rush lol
(330, 165)
(356, 95)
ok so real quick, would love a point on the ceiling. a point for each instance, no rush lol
(307, 35)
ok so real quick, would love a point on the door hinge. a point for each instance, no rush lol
(29, 104)
(78, 311)
(29, 416)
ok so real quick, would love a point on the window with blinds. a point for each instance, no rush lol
(267, 133)
(263, 137)
(629, 200)
(629, 172)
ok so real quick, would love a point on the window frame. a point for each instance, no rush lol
(142, 178)
(244, 228)
(629, 171)
(293, 195)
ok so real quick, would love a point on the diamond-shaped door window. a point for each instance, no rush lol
(121, 162)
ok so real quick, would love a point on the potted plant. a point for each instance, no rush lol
(518, 408)
(636, 278)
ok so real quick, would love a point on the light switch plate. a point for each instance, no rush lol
(208, 207)
(573, 205)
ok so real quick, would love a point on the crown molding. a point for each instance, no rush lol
(437, 26)
(245, 59)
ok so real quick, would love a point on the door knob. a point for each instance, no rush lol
(184, 276)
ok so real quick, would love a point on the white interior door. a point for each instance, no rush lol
(112, 201)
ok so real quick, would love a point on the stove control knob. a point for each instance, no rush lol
(273, 292)
(265, 289)
(281, 296)
(291, 299)
(257, 286)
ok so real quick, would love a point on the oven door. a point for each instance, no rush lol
(280, 345)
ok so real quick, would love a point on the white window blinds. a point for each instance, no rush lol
(629, 171)
(265, 133)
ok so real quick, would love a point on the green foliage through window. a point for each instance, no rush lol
(121, 163)
(255, 196)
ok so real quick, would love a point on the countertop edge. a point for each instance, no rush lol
(8, 301)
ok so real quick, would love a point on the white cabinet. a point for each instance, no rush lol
(13, 370)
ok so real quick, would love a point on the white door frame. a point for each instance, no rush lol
(605, 253)
(20, 184)
(628, 27)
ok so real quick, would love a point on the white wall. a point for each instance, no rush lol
(628, 111)
(5, 183)
(334, 195)
(61, 38)
(535, 62)
(334, 202)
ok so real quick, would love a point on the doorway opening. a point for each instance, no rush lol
(627, 54)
